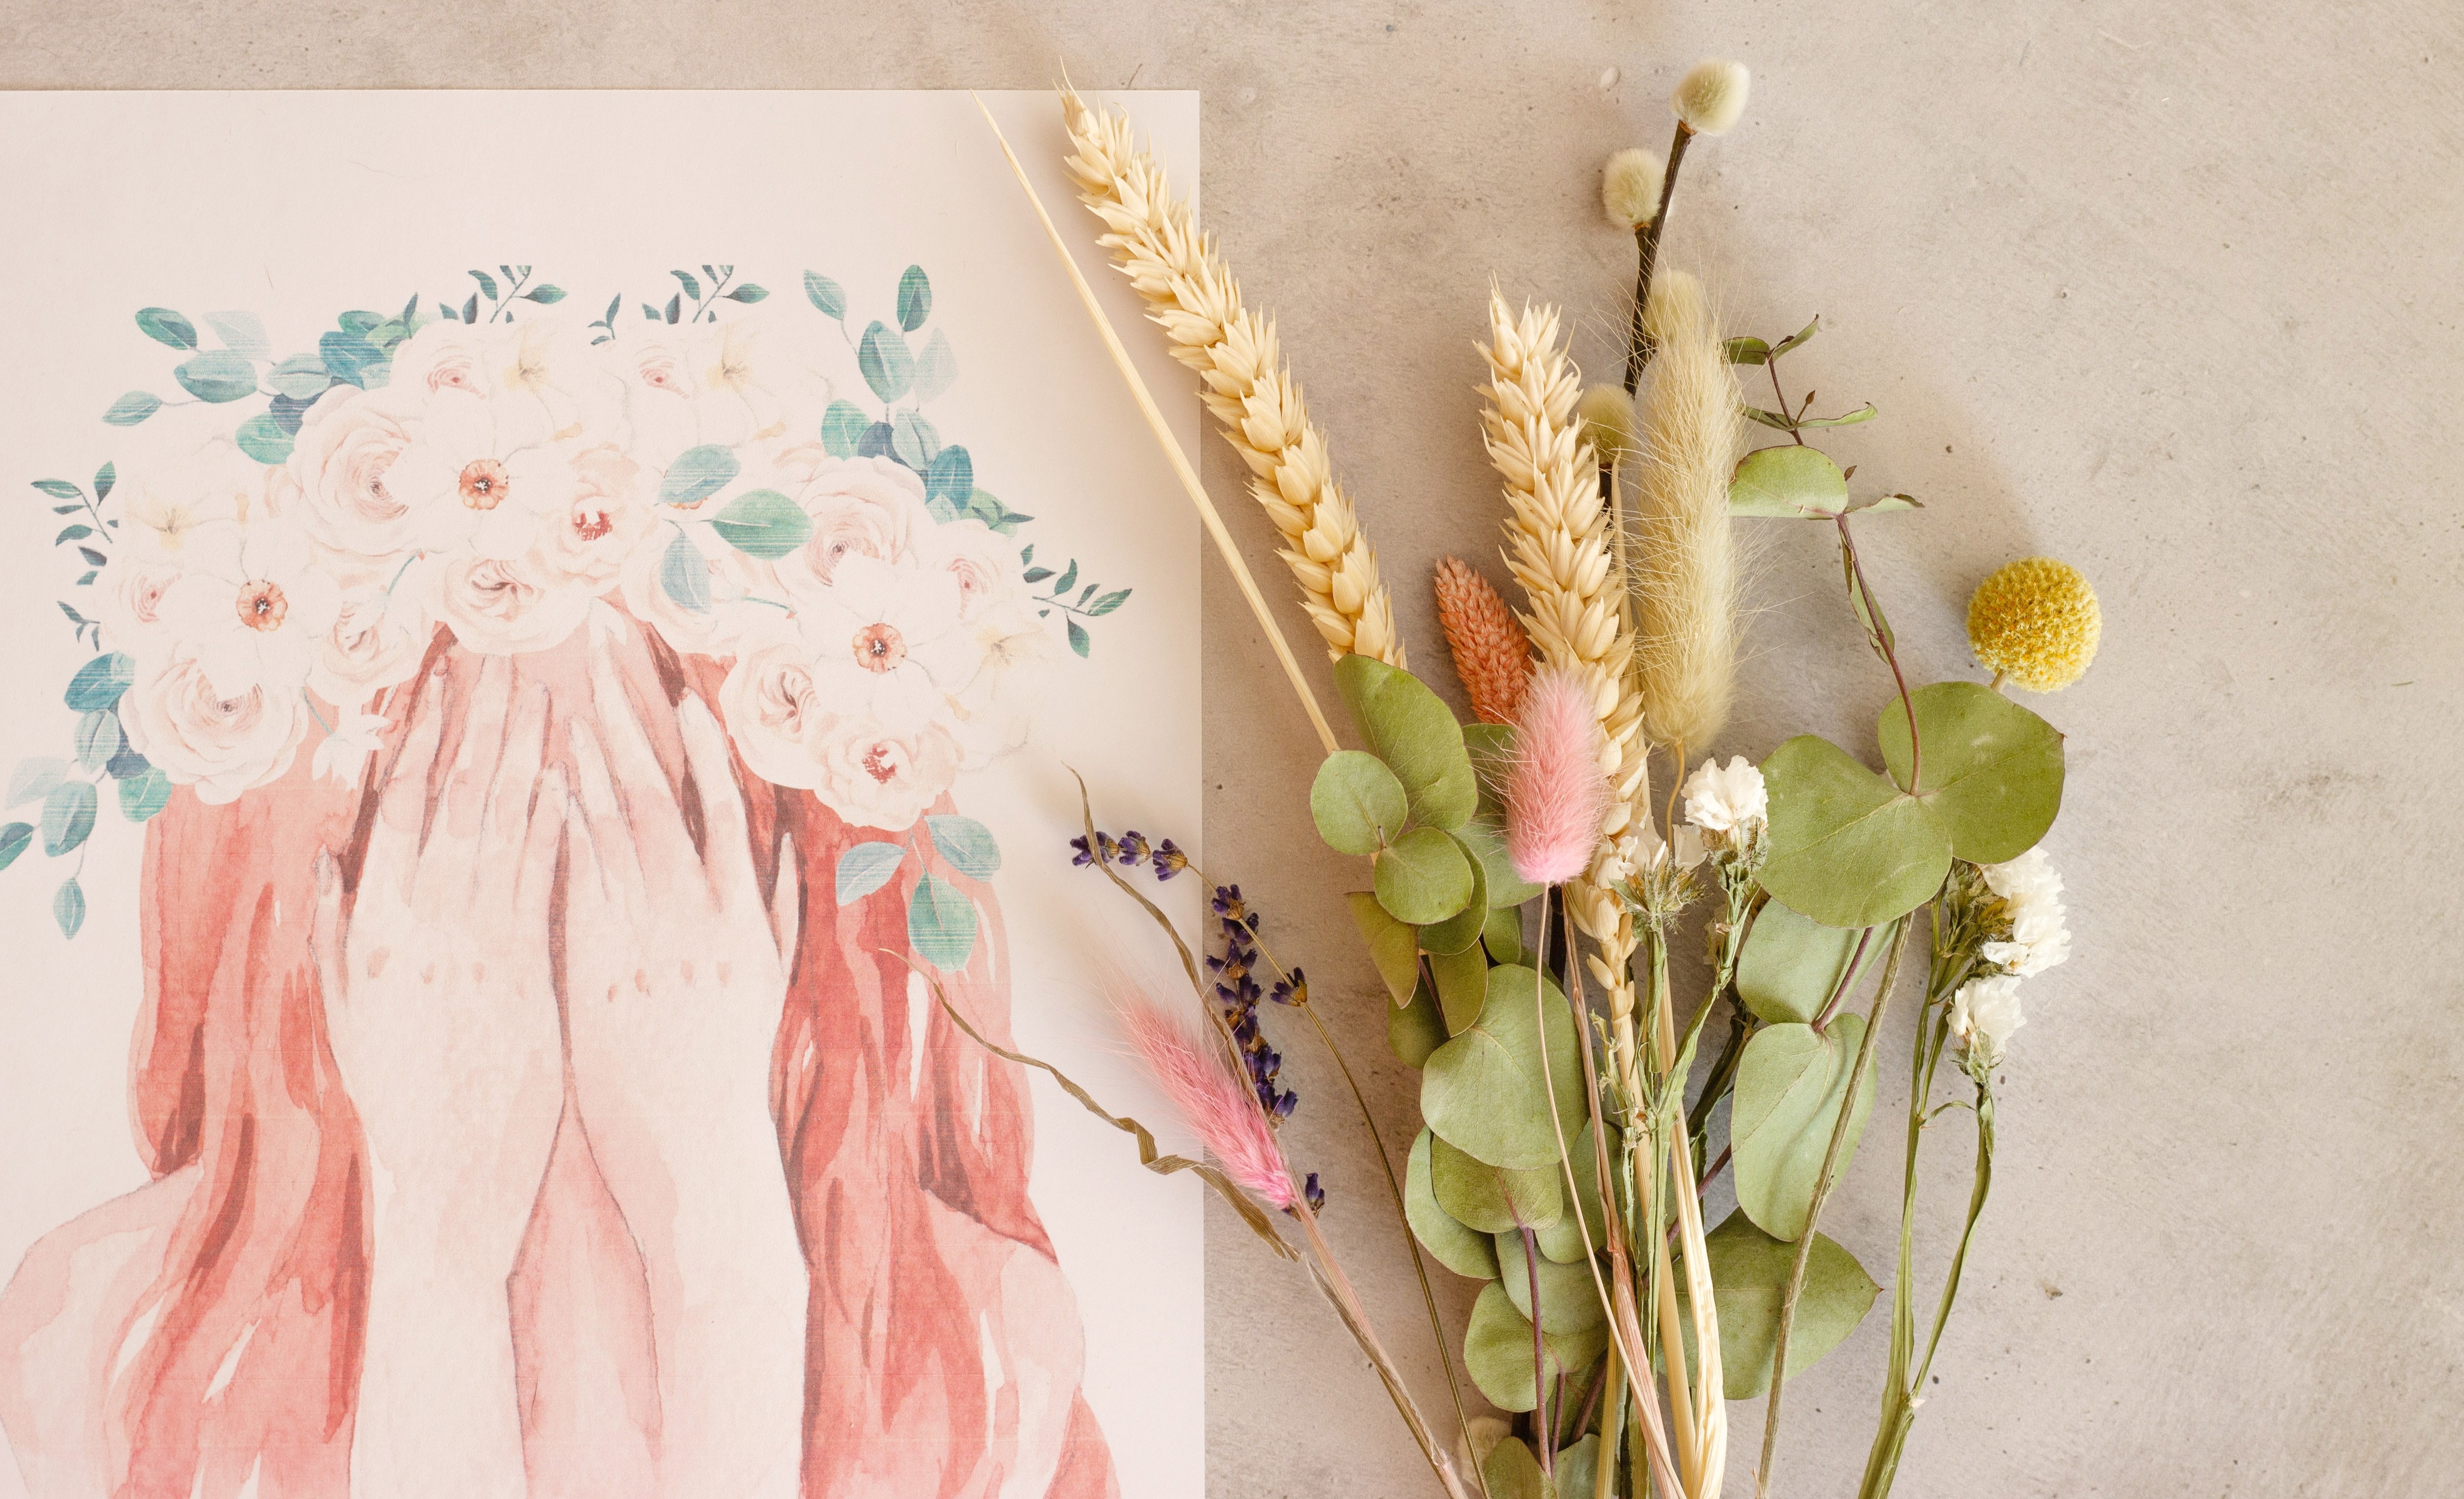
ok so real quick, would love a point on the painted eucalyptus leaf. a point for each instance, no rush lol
(1460, 933)
(1462, 986)
(968, 845)
(1483, 1090)
(941, 923)
(1847, 848)
(1423, 876)
(1485, 838)
(1993, 770)
(1792, 963)
(1497, 1351)
(68, 816)
(697, 473)
(217, 375)
(1750, 1271)
(1358, 803)
(1788, 482)
(1394, 946)
(1463, 1250)
(1491, 1198)
(764, 524)
(1569, 1300)
(1791, 1084)
(1415, 1030)
(1409, 728)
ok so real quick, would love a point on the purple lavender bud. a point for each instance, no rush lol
(1134, 846)
(1169, 860)
(1315, 1194)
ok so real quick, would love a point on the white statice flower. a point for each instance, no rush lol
(344, 752)
(249, 607)
(749, 379)
(1983, 1015)
(2030, 890)
(1728, 803)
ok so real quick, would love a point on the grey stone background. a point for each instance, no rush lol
(2171, 290)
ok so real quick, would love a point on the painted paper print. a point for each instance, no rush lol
(559, 725)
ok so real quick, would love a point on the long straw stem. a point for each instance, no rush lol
(1170, 444)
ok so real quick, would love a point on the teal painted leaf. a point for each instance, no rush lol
(98, 738)
(1789, 482)
(764, 524)
(104, 478)
(74, 532)
(263, 438)
(1847, 848)
(1497, 1352)
(865, 867)
(966, 844)
(132, 409)
(1079, 640)
(876, 442)
(68, 908)
(748, 294)
(1068, 579)
(165, 326)
(1409, 728)
(940, 923)
(1483, 1091)
(243, 333)
(692, 287)
(59, 489)
(1791, 1085)
(13, 840)
(99, 682)
(1393, 946)
(882, 355)
(1423, 876)
(302, 377)
(936, 368)
(696, 474)
(1356, 801)
(915, 298)
(1993, 770)
(544, 296)
(34, 779)
(1750, 1274)
(1106, 604)
(217, 375)
(826, 295)
(684, 576)
(1459, 1248)
(915, 442)
(487, 283)
(843, 426)
(675, 308)
(351, 359)
(950, 476)
(143, 794)
(1791, 964)
(68, 816)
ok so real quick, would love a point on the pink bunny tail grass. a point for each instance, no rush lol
(1557, 796)
(1217, 1105)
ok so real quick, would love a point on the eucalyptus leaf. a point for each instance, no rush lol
(764, 524)
(1462, 981)
(1358, 803)
(684, 576)
(843, 427)
(1788, 482)
(1415, 1030)
(968, 845)
(865, 867)
(1750, 1273)
(1483, 1091)
(1394, 946)
(1423, 876)
(1460, 933)
(68, 907)
(1563, 1241)
(885, 362)
(1511, 1472)
(1486, 841)
(915, 298)
(826, 295)
(941, 923)
(144, 793)
(696, 474)
(165, 326)
(1491, 748)
(1491, 1198)
(68, 816)
(132, 409)
(34, 779)
(1410, 728)
(99, 682)
(1462, 1249)
(1578, 1468)
(1569, 1300)
(1791, 1085)
(1502, 936)
(1993, 770)
(1792, 963)
(14, 838)
(1497, 1352)
(1847, 848)
(243, 333)
(217, 375)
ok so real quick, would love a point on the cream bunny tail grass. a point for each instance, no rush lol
(1156, 239)
(1687, 557)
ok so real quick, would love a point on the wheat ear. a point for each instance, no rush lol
(1155, 240)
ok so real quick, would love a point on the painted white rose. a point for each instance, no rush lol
(504, 606)
(604, 520)
(342, 464)
(249, 607)
(182, 477)
(542, 362)
(221, 743)
(859, 507)
(772, 713)
(993, 713)
(751, 379)
(378, 639)
(877, 776)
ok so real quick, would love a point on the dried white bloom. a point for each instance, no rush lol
(1727, 802)
(1983, 1015)
(1710, 98)
(2031, 897)
(1630, 187)
(1607, 414)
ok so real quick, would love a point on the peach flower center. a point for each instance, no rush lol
(483, 484)
(262, 605)
(879, 648)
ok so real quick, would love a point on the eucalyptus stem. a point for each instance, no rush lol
(1822, 1186)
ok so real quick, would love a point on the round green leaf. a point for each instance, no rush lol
(1792, 963)
(843, 427)
(865, 867)
(1502, 936)
(1750, 1271)
(887, 364)
(1460, 933)
(1409, 728)
(1415, 1030)
(1847, 848)
(1497, 1351)
(263, 438)
(1993, 770)
(1563, 1240)
(1511, 1472)
(218, 375)
(696, 474)
(1791, 1084)
(1486, 841)
(1492, 1198)
(1358, 803)
(915, 298)
(1483, 1090)
(132, 409)
(941, 923)
(165, 326)
(13, 840)
(1465, 1251)
(1462, 986)
(1422, 877)
(1789, 482)
(1578, 1469)
(967, 844)
(99, 682)
(1569, 1301)
(1491, 748)
(826, 295)
(684, 576)
(143, 794)
(764, 524)
(1393, 946)
(68, 816)
(68, 907)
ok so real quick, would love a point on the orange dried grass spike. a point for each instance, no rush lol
(1492, 654)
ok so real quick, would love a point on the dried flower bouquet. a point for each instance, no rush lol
(1524, 889)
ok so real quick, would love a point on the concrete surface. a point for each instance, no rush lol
(2171, 290)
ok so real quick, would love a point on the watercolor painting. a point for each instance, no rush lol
(555, 716)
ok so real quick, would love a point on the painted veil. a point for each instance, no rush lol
(444, 502)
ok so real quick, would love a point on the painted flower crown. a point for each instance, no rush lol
(508, 474)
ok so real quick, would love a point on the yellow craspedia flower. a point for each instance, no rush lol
(2036, 622)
